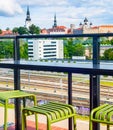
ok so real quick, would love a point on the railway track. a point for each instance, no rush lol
(49, 87)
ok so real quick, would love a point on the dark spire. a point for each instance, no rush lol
(85, 20)
(91, 24)
(55, 22)
(28, 14)
(80, 24)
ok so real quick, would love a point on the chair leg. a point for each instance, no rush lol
(36, 121)
(108, 127)
(24, 125)
(5, 116)
(74, 123)
(48, 124)
(90, 125)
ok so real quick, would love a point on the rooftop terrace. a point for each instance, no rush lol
(93, 70)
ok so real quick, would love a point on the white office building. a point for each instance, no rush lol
(45, 49)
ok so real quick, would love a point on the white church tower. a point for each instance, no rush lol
(28, 19)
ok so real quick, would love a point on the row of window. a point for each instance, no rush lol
(50, 52)
(49, 48)
(50, 56)
(49, 45)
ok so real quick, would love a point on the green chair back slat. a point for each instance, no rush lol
(102, 114)
(54, 112)
(101, 111)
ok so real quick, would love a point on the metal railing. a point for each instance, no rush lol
(94, 71)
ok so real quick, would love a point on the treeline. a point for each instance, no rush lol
(72, 47)
(33, 29)
(6, 49)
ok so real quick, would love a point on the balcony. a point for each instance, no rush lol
(93, 70)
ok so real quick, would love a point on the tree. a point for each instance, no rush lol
(24, 50)
(108, 54)
(15, 30)
(0, 31)
(22, 30)
(68, 49)
(6, 49)
(7, 29)
(79, 50)
(73, 49)
(34, 29)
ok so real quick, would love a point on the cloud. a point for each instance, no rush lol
(43, 2)
(67, 11)
(9, 8)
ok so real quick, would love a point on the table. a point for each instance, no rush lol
(14, 94)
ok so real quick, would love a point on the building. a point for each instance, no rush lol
(55, 29)
(45, 49)
(6, 33)
(89, 51)
(28, 19)
(87, 28)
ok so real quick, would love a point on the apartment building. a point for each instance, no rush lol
(45, 49)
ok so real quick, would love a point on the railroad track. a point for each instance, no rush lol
(57, 86)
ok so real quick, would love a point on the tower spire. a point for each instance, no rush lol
(28, 14)
(28, 19)
(55, 21)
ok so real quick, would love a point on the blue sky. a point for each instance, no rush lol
(13, 12)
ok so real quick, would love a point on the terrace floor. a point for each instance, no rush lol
(81, 125)
(31, 126)
(42, 126)
(62, 125)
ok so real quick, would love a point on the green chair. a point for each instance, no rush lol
(54, 112)
(6, 95)
(102, 114)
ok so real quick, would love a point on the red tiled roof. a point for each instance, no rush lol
(6, 32)
(94, 27)
(106, 26)
(61, 27)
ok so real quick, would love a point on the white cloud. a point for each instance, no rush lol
(67, 11)
(43, 2)
(9, 8)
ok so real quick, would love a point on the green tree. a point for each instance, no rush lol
(23, 50)
(7, 28)
(68, 49)
(108, 54)
(0, 31)
(15, 30)
(79, 50)
(22, 30)
(73, 49)
(105, 42)
(112, 41)
(34, 29)
(6, 49)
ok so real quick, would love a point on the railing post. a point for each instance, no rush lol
(70, 96)
(17, 85)
(95, 80)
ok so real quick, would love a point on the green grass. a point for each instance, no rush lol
(107, 83)
(82, 117)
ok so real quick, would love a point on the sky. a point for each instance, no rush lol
(13, 12)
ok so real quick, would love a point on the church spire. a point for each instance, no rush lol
(55, 21)
(28, 19)
(28, 14)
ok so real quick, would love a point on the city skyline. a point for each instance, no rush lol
(13, 12)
